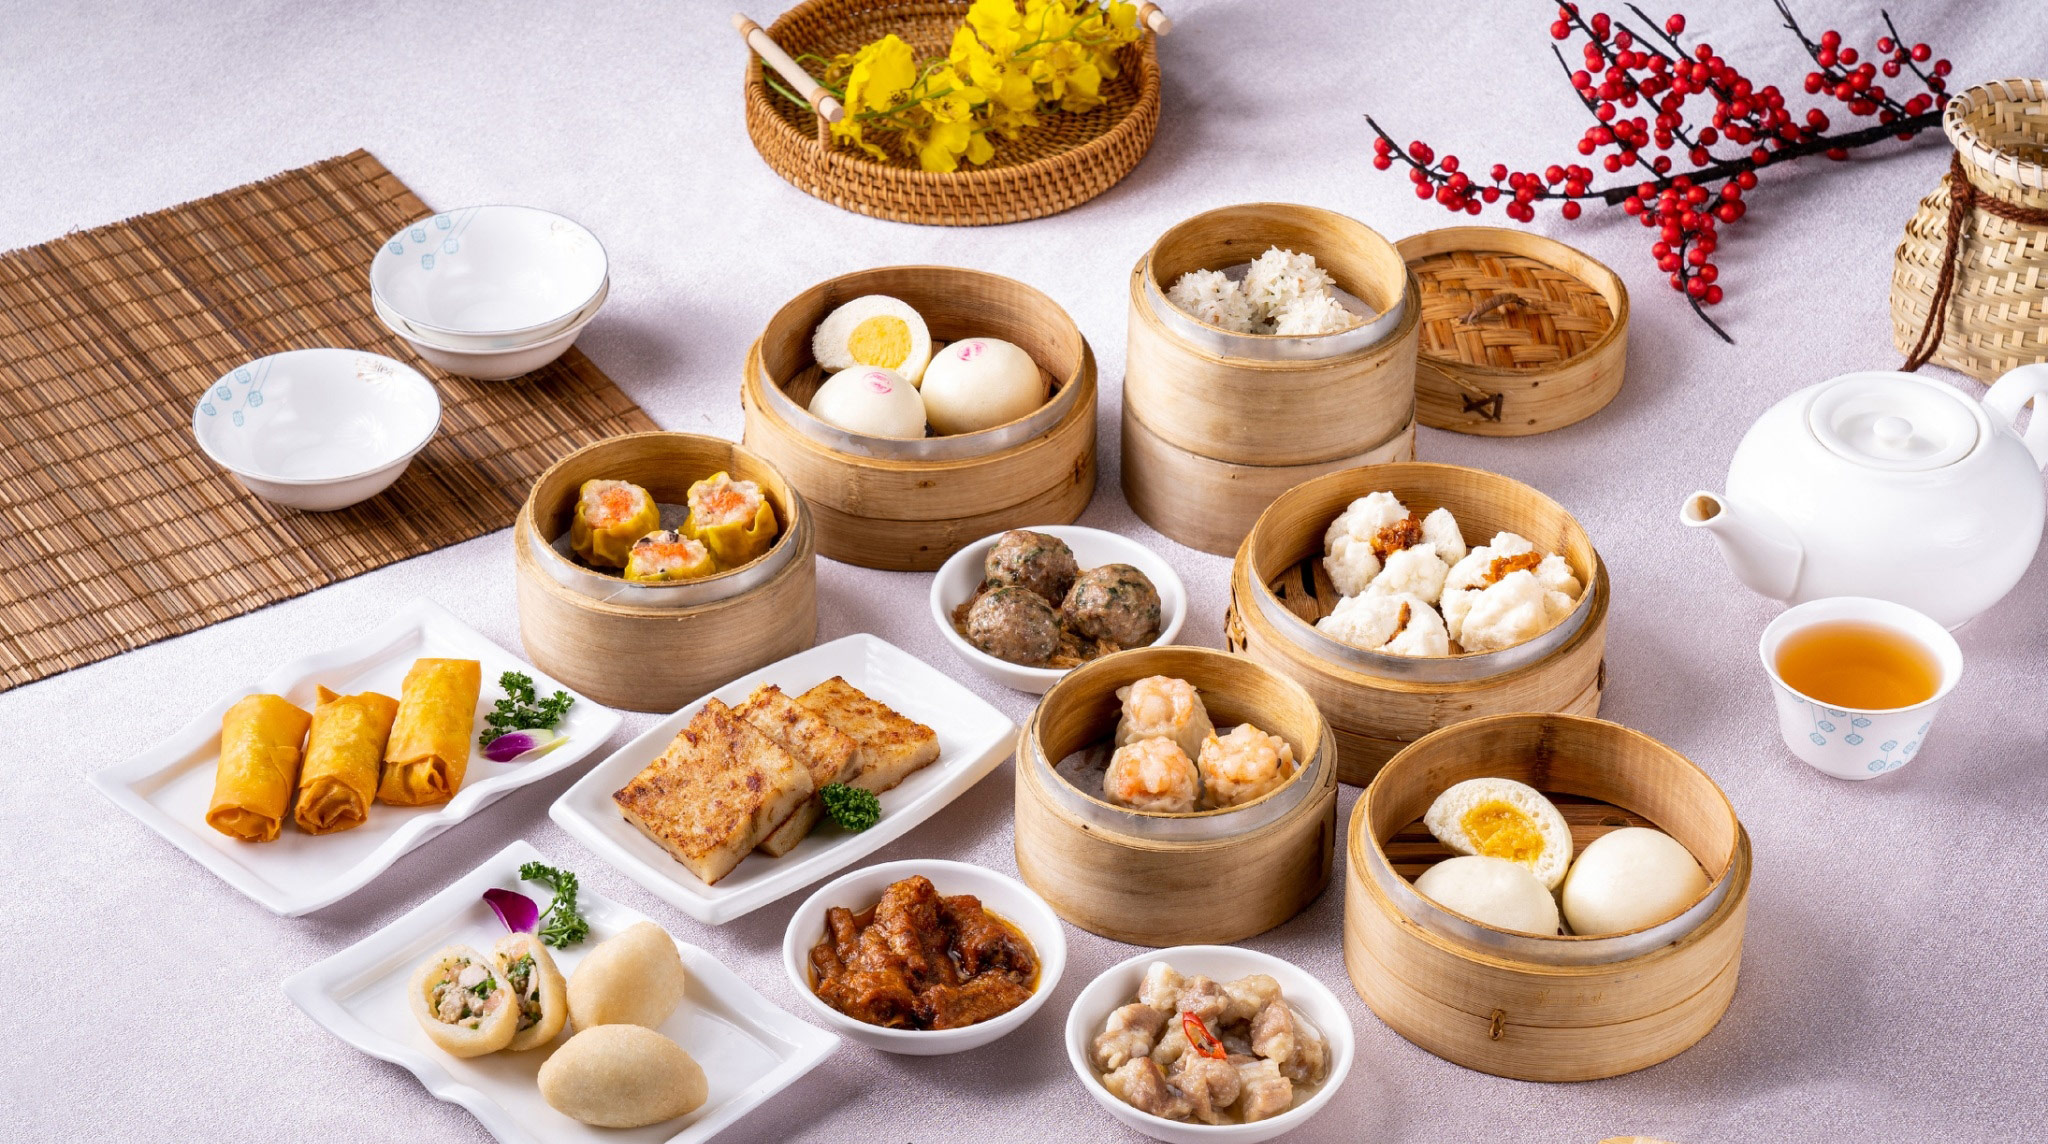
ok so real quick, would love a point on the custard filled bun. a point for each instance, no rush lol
(1493, 891)
(633, 978)
(870, 400)
(622, 1076)
(1501, 818)
(543, 997)
(1629, 879)
(875, 330)
(463, 1003)
(980, 383)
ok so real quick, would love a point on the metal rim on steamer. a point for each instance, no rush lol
(1275, 347)
(613, 589)
(1430, 669)
(1202, 826)
(1559, 950)
(957, 447)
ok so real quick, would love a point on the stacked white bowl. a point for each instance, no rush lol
(490, 292)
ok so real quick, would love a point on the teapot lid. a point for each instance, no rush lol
(1894, 422)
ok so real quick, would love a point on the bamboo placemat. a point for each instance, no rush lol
(115, 530)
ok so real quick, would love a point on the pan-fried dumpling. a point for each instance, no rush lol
(610, 516)
(1161, 707)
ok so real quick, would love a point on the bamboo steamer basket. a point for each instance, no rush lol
(1995, 317)
(1150, 879)
(1209, 504)
(1373, 710)
(1554, 358)
(1499, 1008)
(1249, 399)
(645, 658)
(908, 505)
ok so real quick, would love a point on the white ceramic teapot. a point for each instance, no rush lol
(1888, 485)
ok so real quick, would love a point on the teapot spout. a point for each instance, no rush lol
(1759, 547)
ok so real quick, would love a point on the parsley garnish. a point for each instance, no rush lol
(560, 924)
(520, 710)
(851, 807)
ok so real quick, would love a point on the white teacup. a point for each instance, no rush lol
(1848, 742)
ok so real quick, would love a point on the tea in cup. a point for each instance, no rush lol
(1858, 682)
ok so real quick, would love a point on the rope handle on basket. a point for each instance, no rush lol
(1963, 196)
(823, 102)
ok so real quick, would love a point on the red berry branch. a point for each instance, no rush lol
(1749, 128)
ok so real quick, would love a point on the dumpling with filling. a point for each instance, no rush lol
(1159, 706)
(1243, 765)
(1476, 568)
(731, 518)
(1415, 571)
(610, 516)
(668, 555)
(1152, 775)
(538, 989)
(1396, 625)
(463, 1003)
(1512, 610)
(1363, 518)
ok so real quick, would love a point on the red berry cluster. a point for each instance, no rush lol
(1749, 127)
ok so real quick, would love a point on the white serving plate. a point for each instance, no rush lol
(1118, 986)
(961, 574)
(749, 1049)
(858, 890)
(974, 738)
(168, 787)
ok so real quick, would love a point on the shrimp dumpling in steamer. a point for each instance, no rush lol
(1159, 706)
(1153, 775)
(1243, 765)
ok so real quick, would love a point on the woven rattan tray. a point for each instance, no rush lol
(1060, 164)
(115, 531)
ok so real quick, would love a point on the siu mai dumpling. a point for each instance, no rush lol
(610, 516)
(731, 518)
(1243, 765)
(668, 555)
(1159, 706)
(1152, 775)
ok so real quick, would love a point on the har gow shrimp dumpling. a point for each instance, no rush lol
(1494, 891)
(870, 400)
(1153, 775)
(1159, 706)
(980, 383)
(1501, 818)
(874, 330)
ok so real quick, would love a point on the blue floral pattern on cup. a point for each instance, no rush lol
(1840, 738)
(445, 234)
(245, 384)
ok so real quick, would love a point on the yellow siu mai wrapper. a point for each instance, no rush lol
(430, 742)
(732, 518)
(610, 516)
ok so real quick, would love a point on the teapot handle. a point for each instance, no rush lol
(2011, 393)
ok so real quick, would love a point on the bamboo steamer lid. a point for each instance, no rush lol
(1521, 334)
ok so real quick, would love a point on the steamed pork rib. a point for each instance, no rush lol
(1191, 1048)
(917, 960)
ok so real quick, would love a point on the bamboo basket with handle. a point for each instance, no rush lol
(1521, 334)
(1163, 880)
(1970, 277)
(903, 512)
(1501, 1009)
(1277, 579)
(1067, 159)
(645, 658)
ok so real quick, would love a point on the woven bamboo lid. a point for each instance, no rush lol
(1520, 333)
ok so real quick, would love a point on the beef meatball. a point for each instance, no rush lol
(1115, 602)
(1033, 560)
(1015, 624)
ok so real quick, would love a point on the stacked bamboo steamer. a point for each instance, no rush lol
(1378, 704)
(655, 647)
(1552, 1008)
(906, 505)
(1215, 424)
(1213, 876)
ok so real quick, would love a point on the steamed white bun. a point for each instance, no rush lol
(871, 400)
(1413, 571)
(980, 383)
(1506, 819)
(1494, 891)
(1628, 879)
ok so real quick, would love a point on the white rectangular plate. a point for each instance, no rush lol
(168, 787)
(749, 1049)
(974, 738)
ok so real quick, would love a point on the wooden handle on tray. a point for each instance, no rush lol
(1150, 16)
(824, 102)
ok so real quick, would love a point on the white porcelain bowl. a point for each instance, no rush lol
(317, 429)
(492, 271)
(490, 364)
(961, 575)
(1005, 897)
(1118, 986)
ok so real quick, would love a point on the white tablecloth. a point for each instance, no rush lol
(1892, 982)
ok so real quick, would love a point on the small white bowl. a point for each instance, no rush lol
(1118, 986)
(1005, 897)
(317, 429)
(490, 364)
(490, 271)
(961, 575)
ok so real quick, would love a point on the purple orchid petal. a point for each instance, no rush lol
(519, 912)
(520, 746)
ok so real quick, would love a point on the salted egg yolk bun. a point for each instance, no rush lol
(1629, 879)
(1495, 891)
(875, 330)
(870, 400)
(1501, 818)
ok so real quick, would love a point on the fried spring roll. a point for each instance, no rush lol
(259, 762)
(430, 742)
(344, 754)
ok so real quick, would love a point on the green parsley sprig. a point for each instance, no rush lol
(560, 925)
(521, 710)
(851, 807)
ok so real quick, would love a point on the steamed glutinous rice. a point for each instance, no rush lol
(1282, 292)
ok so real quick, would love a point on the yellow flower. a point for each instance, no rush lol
(882, 72)
(998, 24)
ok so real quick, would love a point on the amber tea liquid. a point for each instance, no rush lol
(1851, 663)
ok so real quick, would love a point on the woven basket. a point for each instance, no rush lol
(1997, 315)
(1061, 163)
